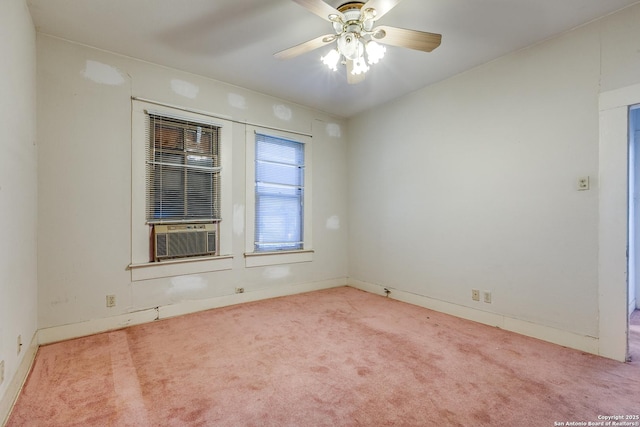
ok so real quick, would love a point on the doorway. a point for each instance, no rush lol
(613, 226)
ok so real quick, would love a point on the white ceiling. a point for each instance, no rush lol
(234, 40)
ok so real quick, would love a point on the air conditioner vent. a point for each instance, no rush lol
(184, 240)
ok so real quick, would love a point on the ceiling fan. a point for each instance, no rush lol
(356, 35)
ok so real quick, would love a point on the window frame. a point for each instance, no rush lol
(255, 258)
(141, 267)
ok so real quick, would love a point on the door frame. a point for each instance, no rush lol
(613, 286)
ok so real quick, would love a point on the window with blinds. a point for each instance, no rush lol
(183, 171)
(279, 194)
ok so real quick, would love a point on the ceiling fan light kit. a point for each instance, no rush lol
(353, 24)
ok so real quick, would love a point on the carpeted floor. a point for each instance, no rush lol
(338, 357)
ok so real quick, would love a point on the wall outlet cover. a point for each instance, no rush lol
(111, 300)
(583, 183)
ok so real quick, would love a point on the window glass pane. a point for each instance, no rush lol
(279, 173)
(279, 150)
(278, 221)
(199, 194)
(199, 140)
(278, 190)
(169, 192)
(182, 179)
(279, 194)
(200, 161)
(169, 158)
(168, 137)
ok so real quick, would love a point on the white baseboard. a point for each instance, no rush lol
(18, 380)
(94, 326)
(546, 333)
(193, 306)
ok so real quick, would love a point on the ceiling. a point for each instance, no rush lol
(234, 40)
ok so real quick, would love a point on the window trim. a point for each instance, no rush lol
(180, 267)
(258, 259)
(141, 268)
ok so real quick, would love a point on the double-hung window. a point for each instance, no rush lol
(279, 194)
(278, 197)
(181, 190)
(183, 186)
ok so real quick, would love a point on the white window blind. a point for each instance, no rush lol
(183, 170)
(279, 194)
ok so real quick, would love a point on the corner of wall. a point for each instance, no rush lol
(545, 333)
(15, 385)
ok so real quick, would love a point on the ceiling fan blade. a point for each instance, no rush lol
(412, 39)
(353, 79)
(381, 6)
(305, 47)
(320, 8)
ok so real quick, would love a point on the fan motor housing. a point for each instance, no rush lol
(357, 5)
(353, 22)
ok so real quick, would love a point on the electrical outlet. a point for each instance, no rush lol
(487, 297)
(19, 343)
(583, 183)
(475, 294)
(1, 371)
(239, 290)
(111, 300)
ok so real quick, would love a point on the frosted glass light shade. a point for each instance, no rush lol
(359, 66)
(375, 52)
(331, 59)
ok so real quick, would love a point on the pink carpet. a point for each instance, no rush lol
(338, 357)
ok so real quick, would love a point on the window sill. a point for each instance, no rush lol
(180, 267)
(261, 259)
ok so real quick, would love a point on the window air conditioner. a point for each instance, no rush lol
(184, 240)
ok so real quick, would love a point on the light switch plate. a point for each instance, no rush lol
(487, 296)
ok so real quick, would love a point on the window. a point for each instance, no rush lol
(278, 197)
(279, 194)
(181, 190)
(183, 171)
(183, 187)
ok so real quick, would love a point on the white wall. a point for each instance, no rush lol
(85, 186)
(471, 183)
(18, 191)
